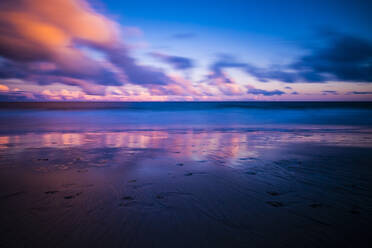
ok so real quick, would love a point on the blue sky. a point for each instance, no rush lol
(258, 30)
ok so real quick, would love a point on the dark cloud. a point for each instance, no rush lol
(262, 74)
(137, 74)
(294, 93)
(225, 61)
(342, 58)
(265, 75)
(10, 69)
(9, 97)
(183, 36)
(360, 93)
(287, 87)
(46, 73)
(20, 96)
(329, 92)
(177, 62)
(265, 92)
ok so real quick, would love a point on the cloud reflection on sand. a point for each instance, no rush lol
(223, 147)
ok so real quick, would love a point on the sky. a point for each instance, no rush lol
(269, 50)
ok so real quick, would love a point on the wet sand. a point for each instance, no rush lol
(186, 188)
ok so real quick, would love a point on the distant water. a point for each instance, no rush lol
(184, 105)
(52, 116)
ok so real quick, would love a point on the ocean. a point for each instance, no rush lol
(74, 116)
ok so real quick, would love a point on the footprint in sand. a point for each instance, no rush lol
(163, 195)
(72, 196)
(355, 210)
(275, 203)
(12, 195)
(273, 193)
(194, 173)
(139, 186)
(250, 173)
(51, 192)
(315, 205)
(67, 185)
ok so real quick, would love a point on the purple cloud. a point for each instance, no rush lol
(265, 92)
(331, 92)
(360, 93)
(177, 62)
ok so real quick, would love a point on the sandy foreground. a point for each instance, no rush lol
(186, 188)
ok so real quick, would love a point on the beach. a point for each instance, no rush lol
(196, 176)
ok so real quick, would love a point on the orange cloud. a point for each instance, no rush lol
(4, 88)
(48, 30)
(46, 39)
